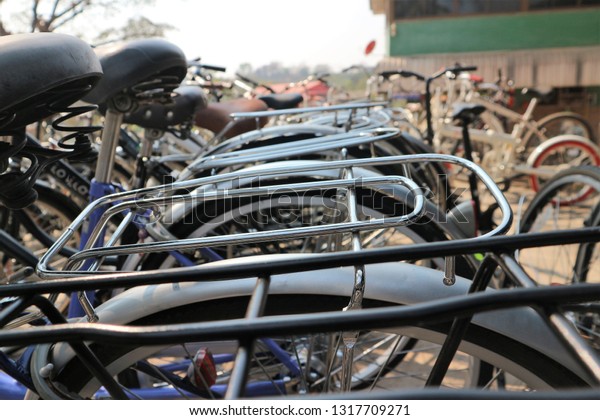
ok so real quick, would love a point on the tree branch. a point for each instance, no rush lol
(53, 13)
(3, 30)
(66, 10)
(68, 18)
(34, 18)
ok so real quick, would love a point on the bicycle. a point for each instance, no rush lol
(303, 324)
(531, 132)
(93, 240)
(314, 88)
(179, 245)
(499, 151)
(44, 382)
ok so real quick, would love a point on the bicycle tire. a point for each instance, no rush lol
(566, 201)
(574, 263)
(38, 226)
(587, 252)
(557, 124)
(563, 153)
(431, 175)
(49, 198)
(487, 342)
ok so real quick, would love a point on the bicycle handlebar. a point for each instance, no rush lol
(195, 62)
(213, 68)
(459, 69)
(402, 73)
(407, 73)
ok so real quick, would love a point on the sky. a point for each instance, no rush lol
(259, 32)
(333, 32)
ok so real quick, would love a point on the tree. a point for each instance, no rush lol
(135, 28)
(50, 15)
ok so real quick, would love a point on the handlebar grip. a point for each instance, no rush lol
(214, 68)
(460, 69)
(402, 73)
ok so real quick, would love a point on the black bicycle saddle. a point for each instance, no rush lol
(282, 100)
(466, 111)
(183, 107)
(135, 67)
(40, 73)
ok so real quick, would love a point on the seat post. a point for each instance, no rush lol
(108, 147)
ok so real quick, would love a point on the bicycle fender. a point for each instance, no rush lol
(560, 139)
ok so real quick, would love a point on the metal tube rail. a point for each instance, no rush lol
(298, 167)
(243, 238)
(308, 262)
(544, 300)
(370, 118)
(293, 167)
(288, 149)
(212, 195)
(307, 110)
(243, 357)
(251, 136)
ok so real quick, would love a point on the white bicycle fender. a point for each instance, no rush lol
(559, 139)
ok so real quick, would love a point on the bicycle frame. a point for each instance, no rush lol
(524, 126)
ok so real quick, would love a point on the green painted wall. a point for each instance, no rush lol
(500, 32)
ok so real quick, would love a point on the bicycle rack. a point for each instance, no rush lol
(121, 202)
(341, 112)
(287, 149)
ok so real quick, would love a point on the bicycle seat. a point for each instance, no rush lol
(466, 112)
(187, 101)
(41, 74)
(134, 67)
(282, 100)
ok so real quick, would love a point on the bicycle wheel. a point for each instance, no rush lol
(491, 339)
(570, 200)
(564, 153)
(269, 214)
(566, 201)
(289, 211)
(40, 224)
(558, 124)
(431, 176)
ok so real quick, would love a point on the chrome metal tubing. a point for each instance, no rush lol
(280, 151)
(307, 110)
(149, 203)
(275, 235)
(108, 148)
(299, 167)
(291, 167)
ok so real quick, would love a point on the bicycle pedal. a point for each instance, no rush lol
(202, 372)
